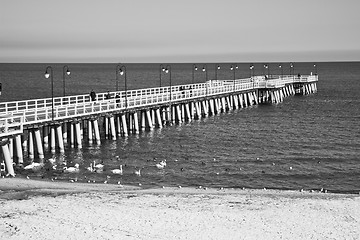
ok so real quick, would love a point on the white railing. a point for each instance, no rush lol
(41, 110)
(10, 125)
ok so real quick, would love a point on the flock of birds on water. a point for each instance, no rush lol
(50, 165)
(94, 167)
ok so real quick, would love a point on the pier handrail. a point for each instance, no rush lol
(40, 110)
(16, 106)
(10, 124)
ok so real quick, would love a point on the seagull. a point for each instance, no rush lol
(118, 171)
(52, 160)
(72, 169)
(138, 172)
(159, 166)
(163, 162)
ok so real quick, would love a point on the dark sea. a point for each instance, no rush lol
(305, 142)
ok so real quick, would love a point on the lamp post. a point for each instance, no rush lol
(252, 74)
(117, 78)
(161, 69)
(251, 70)
(216, 71)
(282, 72)
(66, 71)
(204, 69)
(122, 71)
(194, 68)
(233, 69)
(168, 70)
(267, 67)
(49, 73)
(315, 66)
(292, 70)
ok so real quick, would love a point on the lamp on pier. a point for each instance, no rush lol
(194, 68)
(66, 72)
(292, 69)
(216, 71)
(282, 72)
(49, 73)
(267, 67)
(232, 68)
(161, 69)
(204, 69)
(117, 78)
(122, 71)
(315, 66)
(252, 70)
(168, 70)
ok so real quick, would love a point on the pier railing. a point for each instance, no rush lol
(41, 110)
(10, 124)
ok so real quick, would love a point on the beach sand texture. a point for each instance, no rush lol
(32, 209)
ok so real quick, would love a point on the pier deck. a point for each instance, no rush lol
(19, 114)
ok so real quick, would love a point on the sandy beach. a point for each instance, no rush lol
(35, 209)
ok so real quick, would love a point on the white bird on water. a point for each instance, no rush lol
(138, 172)
(90, 168)
(163, 162)
(99, 165)
(118, 171)
(99, 168)
(72, 169)
(34, 166)
(160, 166)
(52, 160)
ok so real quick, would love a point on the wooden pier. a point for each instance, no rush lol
(52, 123)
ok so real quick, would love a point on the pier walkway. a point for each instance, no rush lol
(54, 120)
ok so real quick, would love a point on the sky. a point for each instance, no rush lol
(70, 31)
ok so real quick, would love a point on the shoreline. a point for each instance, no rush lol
(41, 209)
(22, 189)
(40, 186)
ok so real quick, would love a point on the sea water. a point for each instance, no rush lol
(304, 142)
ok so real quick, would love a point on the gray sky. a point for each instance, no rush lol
(179, 30)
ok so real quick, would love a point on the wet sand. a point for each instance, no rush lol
(34, 209)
